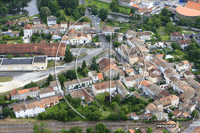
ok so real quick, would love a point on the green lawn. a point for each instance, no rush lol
(70, 18)
(164, 36)
(5, 79)
(105, 5)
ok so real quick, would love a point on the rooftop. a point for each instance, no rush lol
(46, 90)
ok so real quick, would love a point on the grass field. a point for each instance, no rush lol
(70, 18)
(5, 79)
(105, 5)
(164, 36)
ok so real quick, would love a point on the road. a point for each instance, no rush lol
(26, 77)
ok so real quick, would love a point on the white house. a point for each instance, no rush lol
(56, 37)
(75, 84)
(102, 87)
(184, 43)
(184, 65)
(147, 4)
(120, 37)
(175, 36)
(47, 92)
(108, 30)
(132, 80)
(56, 85)
(79, 25)
(51, 20)
(93, 75)
(28, 30)
(28, 109)
(134, 116)
(144, 35)
(131, 33)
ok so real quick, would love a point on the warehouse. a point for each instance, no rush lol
(36, 63)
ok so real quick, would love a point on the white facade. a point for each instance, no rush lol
(112, 90)
(56, 37)
(94, 78)
(28, 33)
(148, 4)
(29, 112)
(47, 94)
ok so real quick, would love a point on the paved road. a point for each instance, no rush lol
(25, 78)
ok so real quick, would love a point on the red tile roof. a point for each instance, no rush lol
(49, 49)
(193, 5)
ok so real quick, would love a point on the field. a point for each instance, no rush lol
(70, 18)
(163, 35)
(105, 5)
(5, 79)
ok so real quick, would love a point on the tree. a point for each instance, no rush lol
(100, 128)
(24, 3)
(33, 38)
(4, 28)
(3, 9)
(195, 114)
(62, 78)
(42, 128)
(48, 36)
(165, 12)
(71, 74)
(30, 85)
(132, 11)
(9, 56)
(44, 12)
(116, 44)
(170, 115)
(68, 55)
(165, 131)
(81, 9)
(76, 129)
(21, 33)
(6, 111)
(154, 117)
(90, 130)
(149, 130)
(103, 14)
(94, 66)
(55, 7)
(102, 96)
(114, 6)
(94, 10)
(175, 46)
(49, 79)
(119, 131)
(116, 99)
(83, 65)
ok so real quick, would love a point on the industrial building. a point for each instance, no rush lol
(37, 63)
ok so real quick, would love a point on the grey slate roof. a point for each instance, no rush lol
(16, 61)
(38, 59)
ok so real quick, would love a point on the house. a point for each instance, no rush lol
(64, 24)
(195, 130)
(56, 85)
(47, 92)
(82, 94)
(76, 37)
(108, 30)
(131, 131)
(121, 74)
(131, 33)
(135, 41)
(193, 83)
(184, 43)
(187, 74)
(175, 36)
(100, 76)
(181, 86)
(75, 84)
(133, 59)
(9, 23)
(79, 25)
(19, 22)
(149, 88)
(177, 113)
(170, 129)
(36, 20)
(121, 89)
(48, 49)
(56, 37)
(24, 93)
(93, 75)
(106, 67)
(107, 86)
(129, 72)
(22, 110)
(120, 37)
(149, 108)
(125, 2)
(50, 101)
(169, 73)
(142, 11)
(169, 101)
(28, 30)
(134, 116)
(132, 80)
(88, 30)
(51, 20)
(148, 4)
(144, 35)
